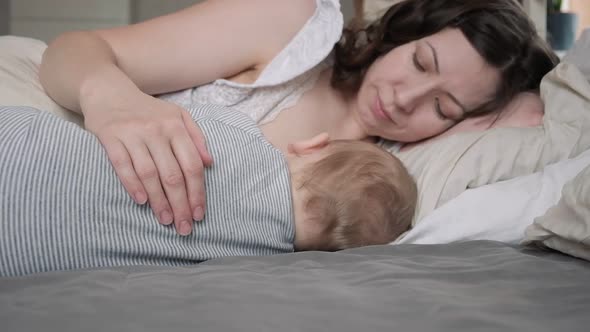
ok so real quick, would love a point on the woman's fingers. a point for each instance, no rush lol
(121, 161)
(173, 182)
(139, 176)
(159, 153)
(197, 138)
(148, 173)
(197, 193)
(192, 168)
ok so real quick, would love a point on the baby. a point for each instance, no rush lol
(62, 206)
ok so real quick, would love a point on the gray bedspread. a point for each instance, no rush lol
(472, 286)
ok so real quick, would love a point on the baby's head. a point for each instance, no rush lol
(348, 194)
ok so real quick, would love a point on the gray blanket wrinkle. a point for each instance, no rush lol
(479, 285)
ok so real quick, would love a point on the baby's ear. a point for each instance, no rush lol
(308, 146)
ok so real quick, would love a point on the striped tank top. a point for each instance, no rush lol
(62, 206)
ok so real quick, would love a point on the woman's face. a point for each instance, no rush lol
(422, 88)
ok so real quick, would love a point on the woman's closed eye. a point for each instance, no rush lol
(437, 105)
(417, 63)
(438, 110)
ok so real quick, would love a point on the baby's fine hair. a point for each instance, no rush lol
(359, 194)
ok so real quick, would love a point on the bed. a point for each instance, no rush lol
(530, 197)
(478, 285)
(469, 286)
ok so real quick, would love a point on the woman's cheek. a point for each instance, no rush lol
(431, 128)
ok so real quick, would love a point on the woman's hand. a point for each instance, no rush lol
(158, 152)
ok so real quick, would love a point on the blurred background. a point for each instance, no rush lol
(561, 21)
(565, 21)
(45, 19)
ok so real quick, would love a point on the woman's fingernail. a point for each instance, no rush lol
(198, 214)
(165, 217)
(140, 198)
(185, 228)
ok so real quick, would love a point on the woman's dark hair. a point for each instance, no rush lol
(499, 30)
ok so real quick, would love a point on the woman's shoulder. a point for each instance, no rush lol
(310, 46)
(297, 57)
(305, 49)
(209, 40)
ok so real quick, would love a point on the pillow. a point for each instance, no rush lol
(449, 166)
(580, 52)
(19, 77)
(500, 211)
(566, 226)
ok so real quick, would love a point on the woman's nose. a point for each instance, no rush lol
(408, 96)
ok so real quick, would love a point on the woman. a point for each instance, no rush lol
(414, 74)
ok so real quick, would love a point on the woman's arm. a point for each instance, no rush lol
(213, 39)
(109, 75)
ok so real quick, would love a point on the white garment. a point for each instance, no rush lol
(288, 76)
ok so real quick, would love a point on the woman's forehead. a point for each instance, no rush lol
(455, 54)
(465, 72)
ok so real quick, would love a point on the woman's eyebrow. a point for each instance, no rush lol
(436, 66)
(435, 56)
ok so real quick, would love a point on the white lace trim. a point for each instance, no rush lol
(309, 47)
(288, 76)
(312, 44)
(300, 88)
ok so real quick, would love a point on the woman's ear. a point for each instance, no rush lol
(308, 146)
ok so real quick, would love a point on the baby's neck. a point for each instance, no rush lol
(298, 198)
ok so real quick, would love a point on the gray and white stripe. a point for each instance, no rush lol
(62, 206)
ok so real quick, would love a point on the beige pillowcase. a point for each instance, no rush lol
(19, 77)
(566, 226)
(580, 52)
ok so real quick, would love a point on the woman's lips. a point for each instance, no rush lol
(379, 111)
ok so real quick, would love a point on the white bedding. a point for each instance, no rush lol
(501, 211)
